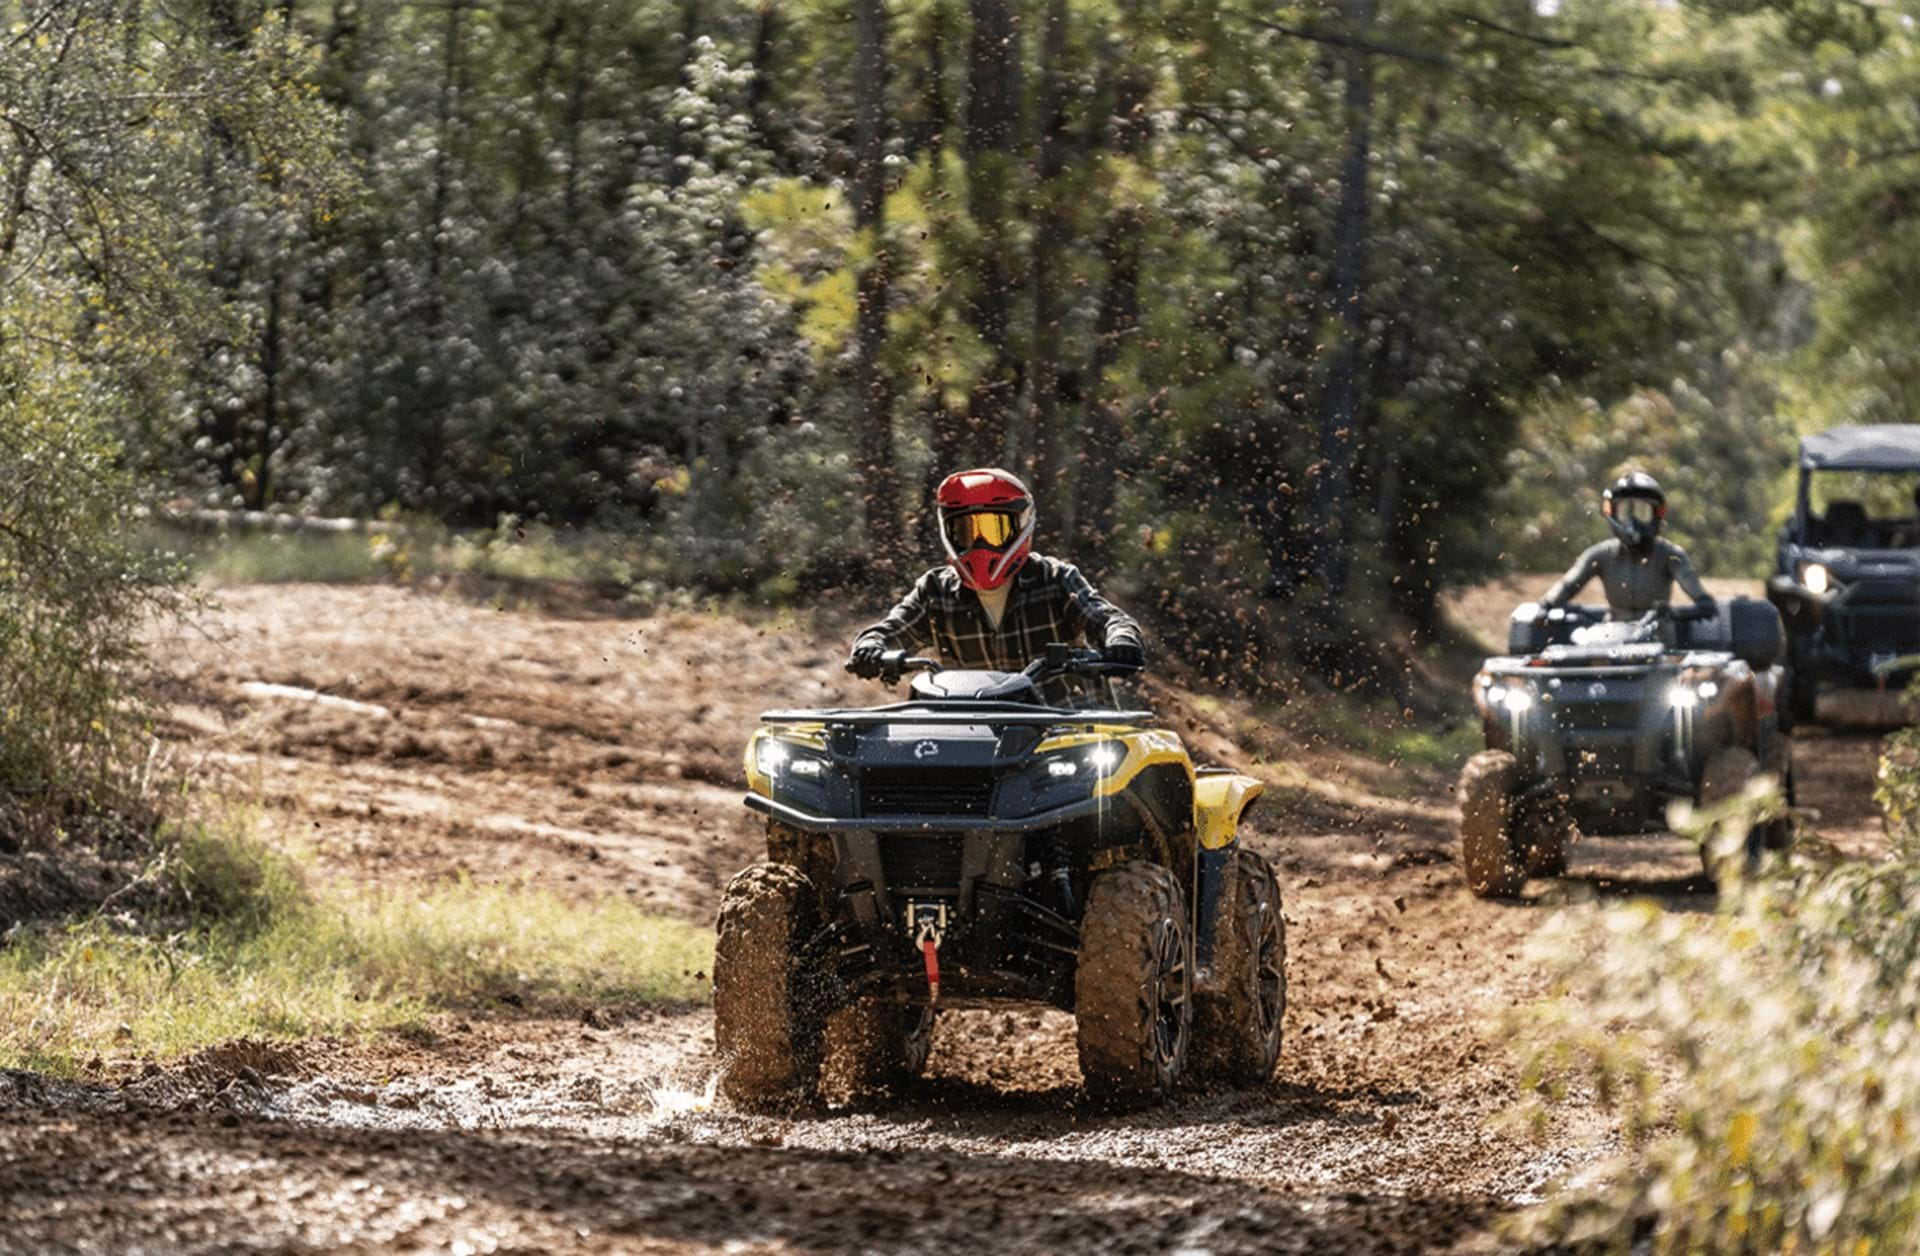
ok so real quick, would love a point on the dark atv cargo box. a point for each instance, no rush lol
(1527, 630)
(1748, 628)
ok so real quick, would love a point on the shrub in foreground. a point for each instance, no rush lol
(1765, 1058)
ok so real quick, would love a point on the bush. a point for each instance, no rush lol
(76, 592)
(1766, 1059)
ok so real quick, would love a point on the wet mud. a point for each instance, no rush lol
(409, 738)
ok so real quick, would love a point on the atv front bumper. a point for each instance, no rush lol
(968, 894)
(1001, 924)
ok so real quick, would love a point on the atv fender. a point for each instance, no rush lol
(1220, 799)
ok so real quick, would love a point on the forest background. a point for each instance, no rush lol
(1291, 314)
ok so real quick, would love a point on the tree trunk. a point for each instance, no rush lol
(259, 489)
(1119, 318)
(225, 424)
(1049, 243)
(993, 125)
(433, 427)
(576, 124)
(760, 90)
(929, 131)
(1340, 399)
(872, 389)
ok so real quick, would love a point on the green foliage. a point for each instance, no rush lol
(108, 290)
(267, 950)
(1766, 1058)
(74, 593)
(1727, 474)
(594, 263)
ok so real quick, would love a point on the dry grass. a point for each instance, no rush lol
(266, 952)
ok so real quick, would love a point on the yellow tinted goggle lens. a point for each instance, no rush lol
(992, 529)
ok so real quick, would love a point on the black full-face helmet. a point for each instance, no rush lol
(1635, 508)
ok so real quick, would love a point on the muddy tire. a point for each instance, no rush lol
(1133, 988)
(1727, 772)
(1803, 696)
(881, 1045)
(1488, 857)
(1237, 1021)
(768, 1014)
(1544, 832)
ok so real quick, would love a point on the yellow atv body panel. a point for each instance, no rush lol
(1220, 799)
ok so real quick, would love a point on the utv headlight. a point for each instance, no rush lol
(1816, 577)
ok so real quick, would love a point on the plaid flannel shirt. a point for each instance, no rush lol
(1049, 601)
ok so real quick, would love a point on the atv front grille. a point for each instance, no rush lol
(1602, 760)
(921, 861)
(1574, 717)
(1880, 616)
(927, 792)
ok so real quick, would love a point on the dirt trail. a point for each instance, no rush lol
(408, 737)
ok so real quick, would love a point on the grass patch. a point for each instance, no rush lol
(513, 553)
(1448, 747)
(267, 951)
(1378, 732)
(291, 558)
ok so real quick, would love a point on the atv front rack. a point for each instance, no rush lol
(1012, 714)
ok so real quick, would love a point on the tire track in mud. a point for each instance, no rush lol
(599, 756)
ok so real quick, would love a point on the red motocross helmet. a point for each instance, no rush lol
(986, 525)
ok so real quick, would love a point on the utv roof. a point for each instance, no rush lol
(1881, 447)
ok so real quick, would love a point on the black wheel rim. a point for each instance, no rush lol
(1169, 998)
(1270, 978)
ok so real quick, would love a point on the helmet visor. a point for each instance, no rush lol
(992, 528)
(1640, 510)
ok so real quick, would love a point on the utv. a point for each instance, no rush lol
(1595, 725)
(1847, 582)
(974, 847)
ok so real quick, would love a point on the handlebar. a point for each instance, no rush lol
(1059, 660)
(891, 666)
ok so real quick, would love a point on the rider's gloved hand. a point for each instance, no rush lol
(865, 658)
(1125, 654)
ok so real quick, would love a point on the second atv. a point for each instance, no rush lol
(1593, 726)
(974, 847)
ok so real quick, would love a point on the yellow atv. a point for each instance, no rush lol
(976, 847)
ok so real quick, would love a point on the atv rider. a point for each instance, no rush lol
(995, 605)
(1638, 568)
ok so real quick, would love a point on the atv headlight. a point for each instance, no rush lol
(1816, 577)
(776, 758)
(1097, 760)
(1683, 697)
(1515, 697)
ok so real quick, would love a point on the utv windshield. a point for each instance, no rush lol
(1863, 509)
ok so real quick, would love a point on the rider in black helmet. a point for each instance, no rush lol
(1637, 567)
